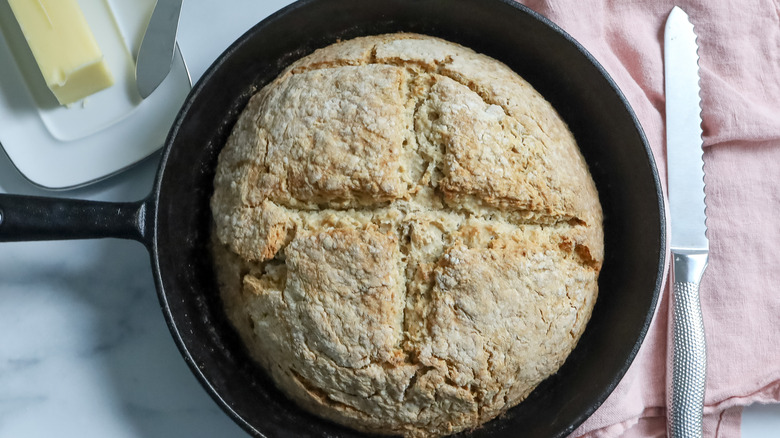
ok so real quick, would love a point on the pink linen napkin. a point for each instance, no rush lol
(739, 49)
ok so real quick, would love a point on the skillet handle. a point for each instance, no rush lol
(27, 218)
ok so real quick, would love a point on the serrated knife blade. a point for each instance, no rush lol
(686, 377)
(683, 134)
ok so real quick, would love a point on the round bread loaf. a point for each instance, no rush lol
(406, 235)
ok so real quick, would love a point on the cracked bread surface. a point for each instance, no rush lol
(406, 235)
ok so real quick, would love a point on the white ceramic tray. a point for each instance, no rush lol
(59, 148)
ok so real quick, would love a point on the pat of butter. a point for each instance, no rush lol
(64, 47)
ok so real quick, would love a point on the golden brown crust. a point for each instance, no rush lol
(406, 235)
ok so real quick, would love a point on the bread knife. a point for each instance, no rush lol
(686, 380)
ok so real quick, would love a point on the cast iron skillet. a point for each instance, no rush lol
(174, 220)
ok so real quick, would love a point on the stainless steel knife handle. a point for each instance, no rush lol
(685, 393)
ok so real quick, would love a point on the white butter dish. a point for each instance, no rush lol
(59, 147)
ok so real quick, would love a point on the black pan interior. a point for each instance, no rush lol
(563, 72)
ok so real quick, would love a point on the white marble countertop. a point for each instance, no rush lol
(84, 349)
